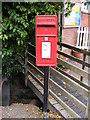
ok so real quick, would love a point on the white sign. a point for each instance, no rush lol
(74, 18)
(46, 49)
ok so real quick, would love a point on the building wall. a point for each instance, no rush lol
(69, 35)
(89, 22)
(85, 19)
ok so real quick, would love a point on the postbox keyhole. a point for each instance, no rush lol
(46, 38)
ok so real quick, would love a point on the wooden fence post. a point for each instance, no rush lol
(89, 107)
(87, 115)
(26, 59)
(83, 66)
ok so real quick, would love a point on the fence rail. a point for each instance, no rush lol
(70, 93)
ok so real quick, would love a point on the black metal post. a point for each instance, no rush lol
(26, 59)
(46, 79)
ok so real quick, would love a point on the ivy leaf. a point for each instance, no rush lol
(18, 42)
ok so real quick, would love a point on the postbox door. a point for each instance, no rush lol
(46, 51)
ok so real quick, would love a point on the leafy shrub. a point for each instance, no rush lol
(18, 28)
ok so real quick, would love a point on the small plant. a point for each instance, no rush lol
(59, 65)
(62, 67)
(41, 109)
(60, 56)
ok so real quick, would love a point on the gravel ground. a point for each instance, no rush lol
(19, 110)
(24, 104)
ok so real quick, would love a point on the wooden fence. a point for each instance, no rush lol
(83, 39)
(69, 95)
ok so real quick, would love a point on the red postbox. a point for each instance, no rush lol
(46, 40)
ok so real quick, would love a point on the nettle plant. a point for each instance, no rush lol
(18, 28)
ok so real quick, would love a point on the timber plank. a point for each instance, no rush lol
(53, 101)
(76, 109)
(65, 98)
(58, 106)
(73, 58)
(69, 103)
(70, 81)
(71, 112)
(32, 80)
(69, 96)
(62, 97)
(76, 94)
(67, 115)
(73, 68)
(66, 86)
(39, 87)
(75, 48)
(82, 114)
(79, 111)
(35, 83)
(42, 92)
(82, 99)
(38, 93)
(70, 89)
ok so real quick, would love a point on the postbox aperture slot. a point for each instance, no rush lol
(46, 30)
(45, 25)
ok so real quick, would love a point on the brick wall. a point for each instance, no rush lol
(85, 20)
(89, 21)
(69, 35)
